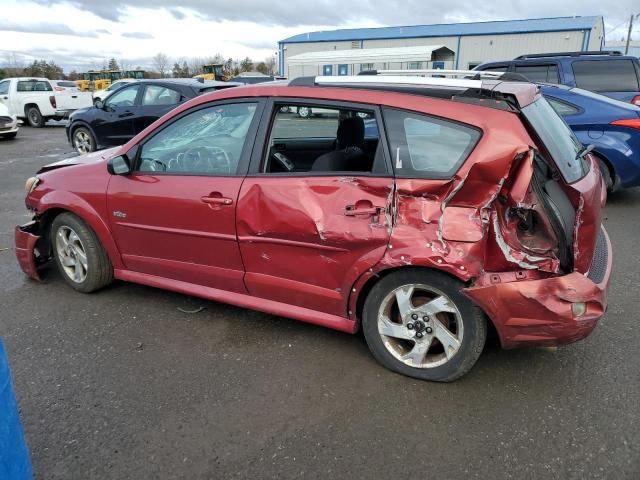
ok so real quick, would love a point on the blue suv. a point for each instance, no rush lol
(607, 73)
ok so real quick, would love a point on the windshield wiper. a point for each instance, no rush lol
(584, 150)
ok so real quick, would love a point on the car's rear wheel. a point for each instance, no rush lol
(83, 140)
(418, 323)
(81, 259)
(34, 117)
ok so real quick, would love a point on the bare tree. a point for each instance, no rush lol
(160, 62)
(271, 64)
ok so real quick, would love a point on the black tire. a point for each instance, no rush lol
(606, 174)
(99, 271)
(9, 136)
(83, 140)
(34, 117)
(473, 323)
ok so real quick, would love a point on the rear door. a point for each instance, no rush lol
(175, 215)
(114, 123)
(156, 101)
(307, 231)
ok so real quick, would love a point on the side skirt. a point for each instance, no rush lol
(241, 300)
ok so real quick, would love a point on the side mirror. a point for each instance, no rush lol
(99, 104)
(119, 165)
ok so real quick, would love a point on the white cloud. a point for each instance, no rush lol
(136, 31)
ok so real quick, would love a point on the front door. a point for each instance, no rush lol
(308, 228)
(114, 122)
(175, 215)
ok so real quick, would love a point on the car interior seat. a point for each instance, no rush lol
(348, 154)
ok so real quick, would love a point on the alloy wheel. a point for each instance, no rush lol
(71, 253)
(82, 141)
(420, 326)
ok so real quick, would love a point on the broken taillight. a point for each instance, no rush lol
(52, 100)
(627, 122)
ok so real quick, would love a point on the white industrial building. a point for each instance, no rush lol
(460, 46)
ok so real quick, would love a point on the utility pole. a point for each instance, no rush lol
(626, 48)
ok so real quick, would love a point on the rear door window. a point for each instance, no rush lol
(323, 139)
(427, 147)
(496, 68)
(606, 75)
(158, 95)
(539, 73)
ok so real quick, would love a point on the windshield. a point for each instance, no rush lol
(557, 137)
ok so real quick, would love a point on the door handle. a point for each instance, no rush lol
(216, 200)
(126, 114)
(354, 211)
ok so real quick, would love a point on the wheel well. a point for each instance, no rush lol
(79, 124)
(45, 220)
(28, 106)
(607, 163)
(369, 284)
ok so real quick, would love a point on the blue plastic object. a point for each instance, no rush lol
(14, 456)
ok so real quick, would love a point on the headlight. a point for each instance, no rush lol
(31, 184)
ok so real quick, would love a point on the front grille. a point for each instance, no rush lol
(4, 120)
(600, 258)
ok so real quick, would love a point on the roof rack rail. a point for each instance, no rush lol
(569, 54)
(435, 72)
(423, 78)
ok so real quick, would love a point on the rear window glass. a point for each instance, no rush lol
(606, 75)
(427, 147)
(557, 137)
(33, 86)
(539, 73)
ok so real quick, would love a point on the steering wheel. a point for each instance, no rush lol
(203, 159)
(283, 161)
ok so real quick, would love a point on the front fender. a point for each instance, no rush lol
(77, 205)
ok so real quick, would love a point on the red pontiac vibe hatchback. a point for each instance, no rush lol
(419, 209)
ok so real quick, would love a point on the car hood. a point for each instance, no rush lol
(80, 111)
(92, 157)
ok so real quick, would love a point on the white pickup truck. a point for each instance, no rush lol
(35, 100)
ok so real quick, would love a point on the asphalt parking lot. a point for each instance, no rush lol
(124, 384)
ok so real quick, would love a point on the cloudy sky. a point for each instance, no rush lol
(81, 34)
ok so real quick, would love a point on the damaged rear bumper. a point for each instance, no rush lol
(551, 311)
(26, 238)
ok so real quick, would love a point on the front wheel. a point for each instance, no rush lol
(81, 259)
(83, 141)
(418, 323)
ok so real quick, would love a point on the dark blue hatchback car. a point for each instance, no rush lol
(611, 126)
(608, 73)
